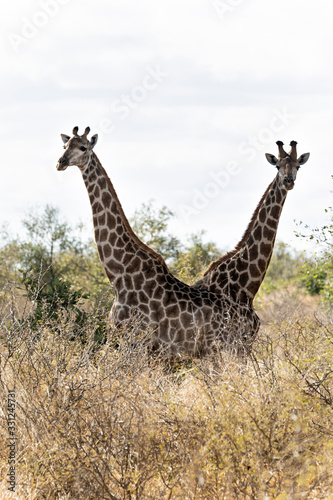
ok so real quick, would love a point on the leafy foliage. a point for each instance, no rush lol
(186, 260)
(285, 263)
(51, 298)
(54, 302)
(284, 269)
(151, 226)
(318, 272)
(314, 277)
(55, 249)
(48, 237)
(194, 258)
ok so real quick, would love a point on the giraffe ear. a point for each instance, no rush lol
(303, 158)
(271, 159)
(93, 141)
(65, 138)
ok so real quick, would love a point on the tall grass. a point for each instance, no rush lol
(112, 422)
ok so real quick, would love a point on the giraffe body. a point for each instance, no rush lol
(180, 319)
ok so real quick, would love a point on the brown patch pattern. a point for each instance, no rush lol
(252, 254)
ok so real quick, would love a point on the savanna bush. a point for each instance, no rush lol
(112, 421)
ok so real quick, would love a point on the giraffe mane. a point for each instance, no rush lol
(125, 220)
(239, 245)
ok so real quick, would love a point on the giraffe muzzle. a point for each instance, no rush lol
(62, 164)
(288, 183)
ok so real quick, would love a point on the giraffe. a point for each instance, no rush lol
(180, 319)
(239, 273)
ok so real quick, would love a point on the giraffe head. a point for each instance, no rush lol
(78, 149)
(287, 164)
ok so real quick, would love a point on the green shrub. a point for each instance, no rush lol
(54, 301)
(314, 278)
(318, 273)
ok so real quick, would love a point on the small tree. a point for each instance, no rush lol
(318, 272)
(47, 238)
(150, 224)
(55, 298)
(54, 248)
(187, 261)
(195, 257)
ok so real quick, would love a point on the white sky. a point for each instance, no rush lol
(181, 93)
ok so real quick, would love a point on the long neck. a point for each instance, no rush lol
(240, 272)
(120, 250)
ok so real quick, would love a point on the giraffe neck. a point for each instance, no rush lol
(240, 272)
(120, 250)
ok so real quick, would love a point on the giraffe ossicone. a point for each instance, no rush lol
(181, 319)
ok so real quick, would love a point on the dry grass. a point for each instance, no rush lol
(116, 424)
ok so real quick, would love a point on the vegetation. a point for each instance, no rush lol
(318, 272)
(186, 261)
(99, 417)
(114, 423)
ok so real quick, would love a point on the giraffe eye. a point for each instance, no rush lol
(82, 148)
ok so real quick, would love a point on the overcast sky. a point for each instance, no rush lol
(186, 96)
